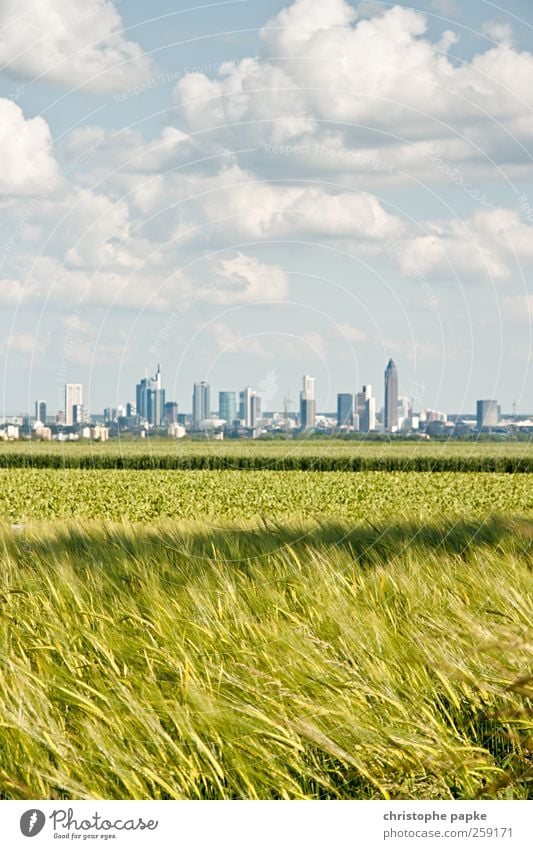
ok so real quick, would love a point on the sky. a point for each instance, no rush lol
(247, 191)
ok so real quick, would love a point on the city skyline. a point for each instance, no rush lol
(353, 408)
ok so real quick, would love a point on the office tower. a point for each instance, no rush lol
(73, 398)
(227, 406)
(307, 403)
(131, 409)
(365, 410)
(171, 412)
(487, 414)
(78, 414)
(345, 410)
(391, 398)
(40, 411)
(249, 407)
(201, 404)
(151, 399)
(370, 410)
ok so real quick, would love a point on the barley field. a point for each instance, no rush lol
(255, 634)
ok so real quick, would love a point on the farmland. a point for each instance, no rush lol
(228, 633)
(149, 495)
(297, 661)
(287, 455)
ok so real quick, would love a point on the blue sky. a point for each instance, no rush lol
(247, 191)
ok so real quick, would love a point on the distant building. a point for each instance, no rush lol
(171, 412)
(176, 430)
(365, 410)
(78, 414)
(201, 404)
(249, 408)
(151, 399)
(73, 398)
(227, 406)
(307, 403)
(345, 410)
(487, 414)
(40, 411)
(42, 432)
(390, 422)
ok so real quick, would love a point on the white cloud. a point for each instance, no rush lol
(353, 334)
(250, 208)
(490, 246)
(230, 341)
(71, 42)
(27, 164)
(498, 31)
(368, 83)
(243, 279)
(25, 343)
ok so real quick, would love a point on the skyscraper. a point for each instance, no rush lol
(249, 407)
(151, 399)
(73, 398)
(307, 403)
(40, 411)
(201, 404)
(227, 406)
(370, 410)
(391, 398)
(487, 414)
(345, 410)
(171, 412)
(365, 409)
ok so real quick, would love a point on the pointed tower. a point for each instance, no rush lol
(390, 423)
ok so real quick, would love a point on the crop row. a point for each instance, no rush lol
(259, 462)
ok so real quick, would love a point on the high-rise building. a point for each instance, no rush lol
(390, 422)
(79, 414)
(73, 398)
(151, 399)
(307, 403)
(40, 411)
(345, 410)
(201, 404)
(171, 412)
(368, 420)
(365, 410)
(487, 414)
(249, 408)
(227, 406)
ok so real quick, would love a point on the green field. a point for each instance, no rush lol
(265, 634)
(149, 495)
(290, 455)
(251, 662)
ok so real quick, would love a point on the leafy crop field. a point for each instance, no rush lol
(296, 661)
(149, 495)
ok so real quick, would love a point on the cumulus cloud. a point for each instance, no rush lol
(250, 208)
(27, 163)
(490, 246)
(243, 279)
(25, 344)
(70, 42)
(377, 82)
